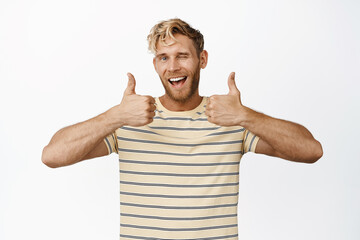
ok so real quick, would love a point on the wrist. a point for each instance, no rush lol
(111, 119)
(246, 116)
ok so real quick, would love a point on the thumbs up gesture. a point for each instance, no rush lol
(226, 110)
(134, 110)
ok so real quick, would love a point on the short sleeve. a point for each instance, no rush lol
(111, 143)
(250, 141)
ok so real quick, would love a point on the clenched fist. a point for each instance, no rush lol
(226, 110)
(134, 110)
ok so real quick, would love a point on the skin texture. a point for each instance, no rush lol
(278, 138)
(84, 140)
(177, 60)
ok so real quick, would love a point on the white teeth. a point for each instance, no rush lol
(176, 79)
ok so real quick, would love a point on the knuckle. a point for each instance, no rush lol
(148, 108)
(214, 97)
(149, 99)
(144, 121)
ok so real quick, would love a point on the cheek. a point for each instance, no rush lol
(189, 68)
(194, 70)
(160, 70)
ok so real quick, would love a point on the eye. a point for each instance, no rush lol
(163, 58)
(183, 56)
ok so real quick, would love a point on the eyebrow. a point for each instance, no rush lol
(160, 55)
(184, 53)
(180, 53)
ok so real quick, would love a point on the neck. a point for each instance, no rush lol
(176, 106)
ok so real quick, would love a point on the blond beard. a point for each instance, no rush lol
(193, 88)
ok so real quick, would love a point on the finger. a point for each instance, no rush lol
(152, 108)
(207, 112)
(210, 101)
(152, 115)
(130, 89)
(211, 98)
(149, 99)
(152, 101)
(233, 90)
(150, 120)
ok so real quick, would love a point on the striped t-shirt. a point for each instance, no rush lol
(179, 176)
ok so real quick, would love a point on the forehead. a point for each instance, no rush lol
(182, 44)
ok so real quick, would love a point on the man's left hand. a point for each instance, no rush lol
(226, 110)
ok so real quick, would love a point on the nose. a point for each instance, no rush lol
(174, 65)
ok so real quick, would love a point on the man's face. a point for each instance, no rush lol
(178, 67)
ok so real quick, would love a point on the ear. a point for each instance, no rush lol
(154, 62)
(203, 59)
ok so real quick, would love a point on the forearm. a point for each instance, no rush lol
(82, 141)
(278, 137)
(71, 144)
(289, 140)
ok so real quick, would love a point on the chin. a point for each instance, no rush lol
(179, 98)
(182, 96)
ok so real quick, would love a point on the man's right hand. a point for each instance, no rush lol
(84, 140)
(134, 110)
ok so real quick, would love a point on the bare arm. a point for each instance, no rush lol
(281, 138)
(84, 140)
(278, 137)
(78, 142)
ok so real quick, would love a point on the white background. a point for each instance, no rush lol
(62, 62)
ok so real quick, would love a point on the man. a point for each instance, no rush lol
(179, 154)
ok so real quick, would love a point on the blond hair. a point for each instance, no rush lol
(168, 28)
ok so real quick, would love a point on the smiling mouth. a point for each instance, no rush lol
(178, 81)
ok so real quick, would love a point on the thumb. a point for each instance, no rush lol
(130, 89)
(233, 90)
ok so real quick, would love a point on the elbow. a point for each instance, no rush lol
(47, 158)
(316, 152)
